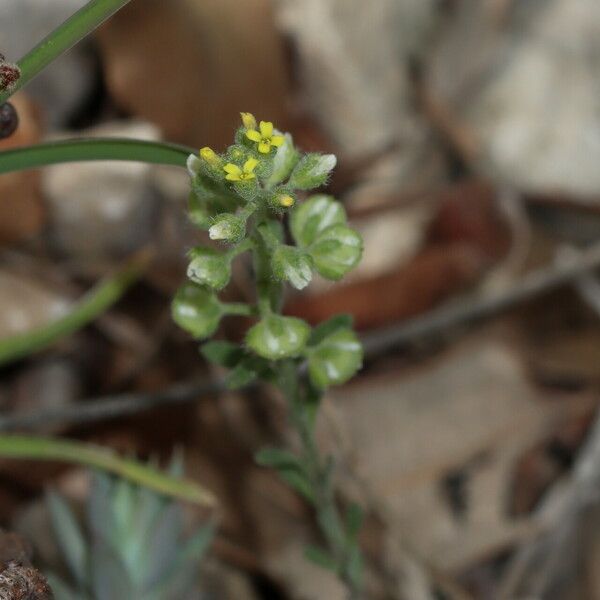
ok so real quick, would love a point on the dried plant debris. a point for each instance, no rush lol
(18, 579)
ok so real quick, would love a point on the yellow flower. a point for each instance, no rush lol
(234, 173)
(248, 120)
(265, 138)
(210, 156)
(285, 201)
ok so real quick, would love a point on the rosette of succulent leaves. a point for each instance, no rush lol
(255, 197)
(132, 545)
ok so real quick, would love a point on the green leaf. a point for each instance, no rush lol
(110, 578)
(354, 520)
(284, 161)
(240, 377)
(198, 212)
(277, 337)
(336, 251)
(70, 537)
(298, 481)
(222, 353)
(321, 558)
(355, 566)
(315, 215)
(187, 561)
(320, 332)
(289, 468)
(196, 310)
(335, 360)
(293, 265)
(209, 267)
(60, 589)
(312, 171)
(276, 458)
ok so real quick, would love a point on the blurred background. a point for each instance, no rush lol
(468, 142)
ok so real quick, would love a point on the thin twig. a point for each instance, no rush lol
(534, 565)
(455, 314)
(377, 342)
(111, 407)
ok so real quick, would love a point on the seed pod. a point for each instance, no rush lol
(9, 75)
(9, 120)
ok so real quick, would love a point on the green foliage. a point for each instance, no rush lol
(293, 265)
(276, 337)
(209, 267)
(132, 545)
(247, 197)
(197, 310)
(335, 359)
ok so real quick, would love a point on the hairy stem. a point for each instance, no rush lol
(318, 470)
(64, 37)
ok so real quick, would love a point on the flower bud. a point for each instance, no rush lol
(312, 171)
(228, 228)
(248, 120)
(209, 156)
(285, 200)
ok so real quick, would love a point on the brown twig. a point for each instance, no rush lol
(475, 309)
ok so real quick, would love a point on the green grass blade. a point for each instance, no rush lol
(65, 36)
(52, 449)
(31, 157)
(94, 303)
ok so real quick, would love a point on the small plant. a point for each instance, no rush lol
(249, 198)
(131, 548)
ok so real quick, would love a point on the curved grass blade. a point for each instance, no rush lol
(93, 149)
(94, 303)
(53, 449)
(65, 36)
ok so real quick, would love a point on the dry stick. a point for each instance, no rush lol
(446, 317)
(111, 407)
(377, 342)
(536, 564)
(563, 506)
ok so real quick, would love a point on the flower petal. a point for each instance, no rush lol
(250, 165)
(232, 169)
(233, 177)
(264, 147)
(277, 140)
(253, 135)
(266, 128)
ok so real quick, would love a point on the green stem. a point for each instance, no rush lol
(45, 448)
(32, 157)
(240, 309)
(62, 39)
(97, 301)
(318, 471)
